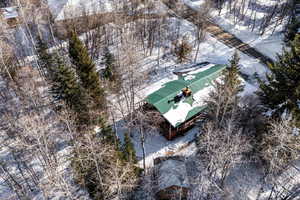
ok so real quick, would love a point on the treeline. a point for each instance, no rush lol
(60, 101)
(101, 163)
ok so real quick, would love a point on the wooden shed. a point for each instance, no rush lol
(10, 15)
(171, 177)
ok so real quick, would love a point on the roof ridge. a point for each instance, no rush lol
(177, 113)
(181, 79)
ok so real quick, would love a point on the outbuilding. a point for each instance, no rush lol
(10, 15)
(171, 177)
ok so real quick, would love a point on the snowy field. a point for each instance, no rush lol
(270, 44)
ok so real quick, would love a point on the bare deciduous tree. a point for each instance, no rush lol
(202, 17)
(220, 149)
(98, 168)
(280, 145)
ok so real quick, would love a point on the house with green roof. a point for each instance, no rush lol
(181, 111)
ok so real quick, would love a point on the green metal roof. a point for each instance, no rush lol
(195, 81)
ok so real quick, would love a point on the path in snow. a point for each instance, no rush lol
(217, 32)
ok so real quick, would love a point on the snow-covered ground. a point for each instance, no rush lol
(246, 181)
(211, 50)
(21, 146)
(66, 9)
(270, 44)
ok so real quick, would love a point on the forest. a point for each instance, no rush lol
(75, 77)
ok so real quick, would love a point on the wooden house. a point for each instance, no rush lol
(180, 110)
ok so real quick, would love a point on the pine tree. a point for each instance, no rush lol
(65, 87)
(46, 60)
(86, 71)
(231, 75)
(106, 132)
(111, 73)
(109, 61)
(128, 150)
(223, 100)
(281, 92)
(292, 30)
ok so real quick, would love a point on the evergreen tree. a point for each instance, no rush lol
(109, 61)
(128, 150)
(281, 92)
(108, 74)
(224, 99)
(46, 60)
(97, 167)
(292, 30)
(106, 132)
(231, 75)
(86, 71)
(65, 87)
(111, 73)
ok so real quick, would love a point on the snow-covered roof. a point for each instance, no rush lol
(172, 172)
(9, 12)
(67, 9)
(198, 81)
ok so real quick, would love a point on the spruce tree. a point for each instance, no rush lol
(281, 92)
(231, 75)
(45, 60)
(86, 71)
(223, 100)
(128, 150)
(111, 73)
(292, 29)
(109, 62)
(106, 132)
(65, 87)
